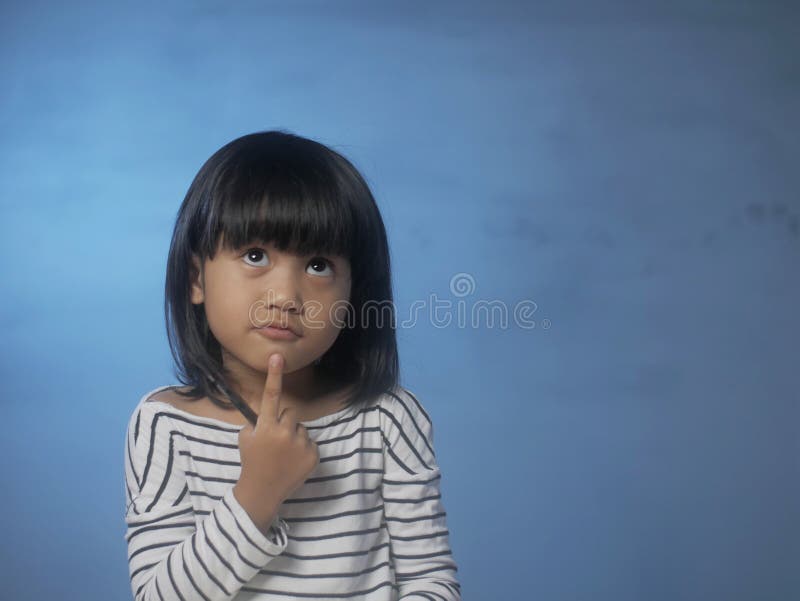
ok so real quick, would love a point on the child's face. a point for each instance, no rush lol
(256, 285)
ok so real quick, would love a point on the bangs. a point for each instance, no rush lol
(297, 194)
(295, 202)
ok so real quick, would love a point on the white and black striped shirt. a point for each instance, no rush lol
(368, 523)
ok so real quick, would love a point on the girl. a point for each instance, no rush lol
(291, 464)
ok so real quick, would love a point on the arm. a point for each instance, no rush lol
(415, 516)
(170, 554)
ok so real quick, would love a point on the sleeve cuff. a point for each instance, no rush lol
(263, 547)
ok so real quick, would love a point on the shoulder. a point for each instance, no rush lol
(153, 445)
(200, 406)
(407, 431)
(403, 415)
(169, 395)
(402, 403)
(149, 410)
(154, 412)
(154, 400)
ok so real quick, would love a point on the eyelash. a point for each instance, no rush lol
(327, 262)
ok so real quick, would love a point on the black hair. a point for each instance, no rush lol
(304, 197)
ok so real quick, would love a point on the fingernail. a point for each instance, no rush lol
(275, 360)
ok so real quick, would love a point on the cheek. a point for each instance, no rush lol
(335, 311)
(328, 322)
(325, 337)
(340, 316)
(225, 310)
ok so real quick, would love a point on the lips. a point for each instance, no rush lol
(276, 325)
(277, 333)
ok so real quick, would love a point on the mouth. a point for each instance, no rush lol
(277, 333)
(278, 327)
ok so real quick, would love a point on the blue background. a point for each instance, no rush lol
(630, 167)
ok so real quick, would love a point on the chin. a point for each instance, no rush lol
(292, 365)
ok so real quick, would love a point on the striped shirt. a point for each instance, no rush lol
(368, 523)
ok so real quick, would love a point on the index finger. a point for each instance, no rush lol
(272, 389)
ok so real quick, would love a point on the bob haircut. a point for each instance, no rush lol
(275, 186)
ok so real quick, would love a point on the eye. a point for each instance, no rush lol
(257, 255)
(321, 263)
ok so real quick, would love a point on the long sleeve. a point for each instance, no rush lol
(415, 515)
(171, 553)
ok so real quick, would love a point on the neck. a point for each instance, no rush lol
(300, 389)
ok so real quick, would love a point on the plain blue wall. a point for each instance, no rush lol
(630, 167)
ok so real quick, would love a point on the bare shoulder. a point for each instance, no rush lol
(202, 407)
(171, 396)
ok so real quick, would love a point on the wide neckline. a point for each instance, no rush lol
(316, 422)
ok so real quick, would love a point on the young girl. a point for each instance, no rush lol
(291, 464)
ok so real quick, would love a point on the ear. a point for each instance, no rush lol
(196, 277)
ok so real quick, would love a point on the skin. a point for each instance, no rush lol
(259, 284)
(275, 377)
(277, 454)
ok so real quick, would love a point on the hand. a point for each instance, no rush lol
(277, 454)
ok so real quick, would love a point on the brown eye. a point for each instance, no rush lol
(255, 257)
(318, 265)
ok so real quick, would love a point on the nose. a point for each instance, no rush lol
(282, 293)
